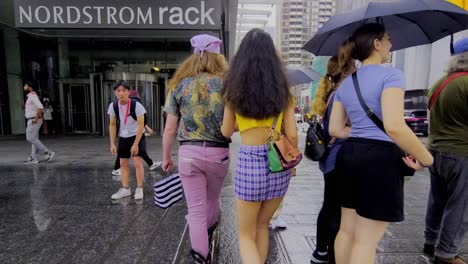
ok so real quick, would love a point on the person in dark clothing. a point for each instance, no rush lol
(328, 222)
(446, 217)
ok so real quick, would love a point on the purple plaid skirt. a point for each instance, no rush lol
(254, 181)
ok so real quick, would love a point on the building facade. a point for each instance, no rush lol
(297, 22)
(254, 14)
(345, 5)
(75, 53)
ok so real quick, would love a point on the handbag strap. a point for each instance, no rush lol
(328, 103)
(442, 86)
(330, 96)
(275, 122)
(369, 112)
(273, 128)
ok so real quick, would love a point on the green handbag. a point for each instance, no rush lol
(274, 162)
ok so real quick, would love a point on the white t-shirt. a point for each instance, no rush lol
(48, 113)
(131, 128)
(32, 104)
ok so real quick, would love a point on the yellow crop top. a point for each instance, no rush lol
(246, 123)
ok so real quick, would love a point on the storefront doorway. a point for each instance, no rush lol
(76, 106)
(151, 88)
(84, 102)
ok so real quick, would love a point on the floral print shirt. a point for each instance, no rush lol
(198, 103)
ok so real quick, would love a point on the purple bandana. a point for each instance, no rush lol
(202, 43)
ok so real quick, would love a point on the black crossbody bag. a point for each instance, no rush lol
(406, 171)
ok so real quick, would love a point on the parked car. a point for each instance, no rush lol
(416, 119)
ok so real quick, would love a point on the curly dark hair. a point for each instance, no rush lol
(256, 85)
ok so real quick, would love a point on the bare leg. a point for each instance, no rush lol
(140, 173)
(247, 215)
(344, 239)
(367, 236)
(125, 172)
(267, 210)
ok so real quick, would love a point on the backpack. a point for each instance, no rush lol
(317, 138)
(316, 146)
(133, 101)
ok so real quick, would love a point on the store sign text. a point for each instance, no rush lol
(191, 14)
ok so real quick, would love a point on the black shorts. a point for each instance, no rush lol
(125, 146)
(372, 179)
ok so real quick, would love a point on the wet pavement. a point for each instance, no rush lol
(61, 212)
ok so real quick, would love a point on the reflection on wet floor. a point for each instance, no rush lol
(69, 211)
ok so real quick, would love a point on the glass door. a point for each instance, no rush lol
(76, 106)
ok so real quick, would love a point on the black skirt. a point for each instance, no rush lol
(372, 173)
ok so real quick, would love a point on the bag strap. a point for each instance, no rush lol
(444, 84)
(369, 112)
(272, 129)
(133, 104)
(330, 96)
(274, 125)
(275, 122)
(328, 104)
(116, 110)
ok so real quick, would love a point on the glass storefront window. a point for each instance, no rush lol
(87, 57)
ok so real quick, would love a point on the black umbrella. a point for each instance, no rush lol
(408, 22)
(300, 75)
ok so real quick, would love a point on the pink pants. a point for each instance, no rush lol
(202, 171)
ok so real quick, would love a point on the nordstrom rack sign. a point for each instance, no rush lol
(122, 14)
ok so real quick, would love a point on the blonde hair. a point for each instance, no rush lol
(326, 85)
(336, 69)
(211, 63)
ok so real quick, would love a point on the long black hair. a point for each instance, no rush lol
(256, 85)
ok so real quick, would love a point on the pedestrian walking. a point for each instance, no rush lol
(328, 221)
(129, 118)
(48, 110)
(33, 110)
(446, 217)
(134, 95)
(371, 162)
(195, 108)
(258, 99)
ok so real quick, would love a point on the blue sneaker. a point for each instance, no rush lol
(317, 258)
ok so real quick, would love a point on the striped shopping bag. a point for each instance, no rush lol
(168, 191)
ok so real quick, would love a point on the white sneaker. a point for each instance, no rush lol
(30, 160)
(138, 194)
(278, 223)
(155, 165)
(49, 156)
(116, 172)
(123, 192)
